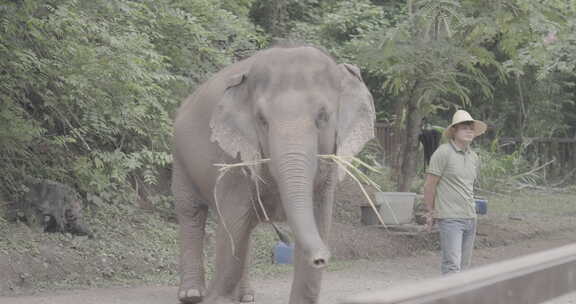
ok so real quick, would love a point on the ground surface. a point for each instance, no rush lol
(133, 258)
(348, 279)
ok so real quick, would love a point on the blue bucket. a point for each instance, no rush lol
(481, 206)
(283, 253)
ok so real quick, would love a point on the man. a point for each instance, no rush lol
(449, 192)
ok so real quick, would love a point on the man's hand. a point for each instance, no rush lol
(429, 195)
(429, 221)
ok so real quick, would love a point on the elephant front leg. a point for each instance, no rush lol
(192, 221)
(232, 243)
(245, 291)
(191, 212)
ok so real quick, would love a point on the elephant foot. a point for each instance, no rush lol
(190, 296)
(219, 300)
(245, 292)
(247, 298)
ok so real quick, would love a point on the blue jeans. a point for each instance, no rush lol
(456, 242)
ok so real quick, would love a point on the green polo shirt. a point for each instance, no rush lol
(455, 191)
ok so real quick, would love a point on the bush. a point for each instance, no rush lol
(499, 172)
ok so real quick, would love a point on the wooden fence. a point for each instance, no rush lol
(390, 139)
(531, 279)
(559, 152)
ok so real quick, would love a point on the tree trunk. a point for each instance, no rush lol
(410, 145)
(522, 114)
(279, 18)
(398, 130)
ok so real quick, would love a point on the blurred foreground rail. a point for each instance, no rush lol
(530, 279)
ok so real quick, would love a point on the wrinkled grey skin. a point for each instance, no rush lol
(285, 104)
(52, 207)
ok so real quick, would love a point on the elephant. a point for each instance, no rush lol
(286, 105)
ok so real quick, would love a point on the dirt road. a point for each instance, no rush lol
(356, 277)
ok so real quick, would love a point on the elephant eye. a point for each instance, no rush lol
(262, 120)
(322, 118)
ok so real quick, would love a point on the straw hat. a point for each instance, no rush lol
(463, 116)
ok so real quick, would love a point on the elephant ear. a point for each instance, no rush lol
(356, 112)
(232, 123)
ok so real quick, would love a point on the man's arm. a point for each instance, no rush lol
(429, 195)
(430, 191)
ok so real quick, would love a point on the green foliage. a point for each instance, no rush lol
(351, 20)
(339, 23)
(428, 57)
(240, 8)
(490, 57)
(89, 92)
(501, 172)
(550, 75)
(198, 37)
(278, 17)
(528, 98)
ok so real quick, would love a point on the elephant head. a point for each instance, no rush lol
(291, 105)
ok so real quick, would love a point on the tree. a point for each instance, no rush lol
(426, 62)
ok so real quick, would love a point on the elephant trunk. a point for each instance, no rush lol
(294, 164)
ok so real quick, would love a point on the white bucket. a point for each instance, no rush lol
(396, 207)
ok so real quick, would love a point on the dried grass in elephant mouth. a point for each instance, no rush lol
(348, 164)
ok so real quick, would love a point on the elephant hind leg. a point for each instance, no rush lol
(192, 214)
